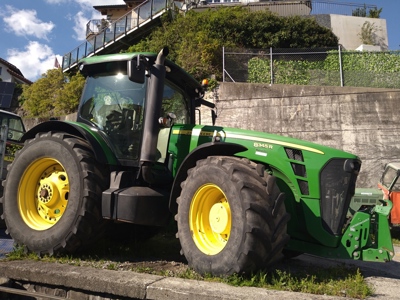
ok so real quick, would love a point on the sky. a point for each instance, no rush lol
(34, 33)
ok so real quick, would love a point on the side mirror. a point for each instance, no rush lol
(136, 70)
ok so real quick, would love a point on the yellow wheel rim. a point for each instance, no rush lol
(210, 219)
(43, 193)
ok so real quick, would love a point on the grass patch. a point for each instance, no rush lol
(334, 281)
(159, 255)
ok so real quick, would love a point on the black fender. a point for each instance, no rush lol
(78, 131)
(201, 152)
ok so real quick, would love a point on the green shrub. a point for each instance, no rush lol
(363, 69)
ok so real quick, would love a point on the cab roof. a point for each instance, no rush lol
(118, 63)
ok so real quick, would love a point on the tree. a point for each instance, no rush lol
(52, 95)
(69, 97)
(196, 38)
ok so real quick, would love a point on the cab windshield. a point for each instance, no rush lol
(115, 105)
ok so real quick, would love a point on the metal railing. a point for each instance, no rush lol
(321, 7)
(319, 67)
(104, 35)
(288, 7)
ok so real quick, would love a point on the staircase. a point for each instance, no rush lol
(111, 37)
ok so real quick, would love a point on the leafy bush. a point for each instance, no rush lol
(285, 72)
(196, 39)
(366, 69)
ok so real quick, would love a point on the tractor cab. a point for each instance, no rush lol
(117, 95)
(115, 105)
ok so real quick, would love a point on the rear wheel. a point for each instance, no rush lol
(231, 217)
(52, 194)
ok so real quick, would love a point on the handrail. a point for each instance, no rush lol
(316, 6)
(135, 18)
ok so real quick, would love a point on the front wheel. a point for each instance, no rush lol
(231, 217)
(52, 194)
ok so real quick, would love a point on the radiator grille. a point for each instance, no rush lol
(294, 154)
(337, 181)
(299, 170)
(303, 187)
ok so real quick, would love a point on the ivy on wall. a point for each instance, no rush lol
(363, 69)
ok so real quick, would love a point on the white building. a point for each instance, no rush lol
(10, 73)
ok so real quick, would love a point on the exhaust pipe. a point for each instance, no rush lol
(152, 113)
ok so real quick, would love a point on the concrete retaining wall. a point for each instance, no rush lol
(358, 120)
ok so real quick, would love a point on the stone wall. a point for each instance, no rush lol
(358, 120)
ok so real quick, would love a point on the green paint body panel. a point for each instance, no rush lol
(365, 197)
(269, 149)
(111, 159)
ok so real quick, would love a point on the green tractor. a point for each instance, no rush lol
(241, 199)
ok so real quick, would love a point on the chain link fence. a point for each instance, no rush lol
(318, 66)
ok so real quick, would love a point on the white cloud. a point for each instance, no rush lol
(55, 1)
(82, 17)
(34, 61)
(25, 23)
(81, 21)
(80, 25)
(88, 4)
(101, 2)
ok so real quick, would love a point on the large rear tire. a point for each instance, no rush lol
(52, 194)
(231, 217)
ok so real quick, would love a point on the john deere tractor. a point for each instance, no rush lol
(241, 199)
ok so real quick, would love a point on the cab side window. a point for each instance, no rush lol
(174, 102)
